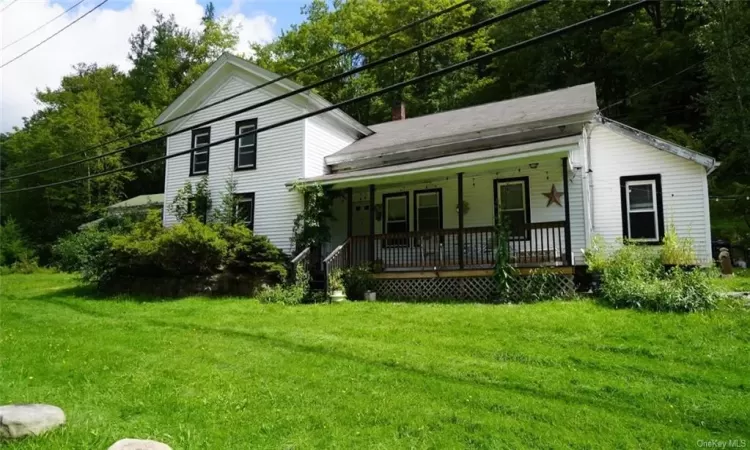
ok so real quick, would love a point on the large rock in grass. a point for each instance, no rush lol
(139, 444)
(29, 420)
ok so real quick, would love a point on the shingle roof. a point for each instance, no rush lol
(523, 114)
(141, 200)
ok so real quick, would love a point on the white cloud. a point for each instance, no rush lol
(101, 37)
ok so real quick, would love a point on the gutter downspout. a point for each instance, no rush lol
(588, 184)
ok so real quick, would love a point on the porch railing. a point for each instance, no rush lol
(338, 259)
(302, 259)
(540, 244)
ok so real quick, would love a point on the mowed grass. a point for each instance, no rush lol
(738, 282)
(233, 374)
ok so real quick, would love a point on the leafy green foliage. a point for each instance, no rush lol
(676, 250)
(255, 255)
(312, 225)
(504, 273)
(335, 281)
(356, 281)
(13, 247)
(228, 211)
(71, 253)
(538, 286)
(192, 200)
(190, 248)
(634, 277)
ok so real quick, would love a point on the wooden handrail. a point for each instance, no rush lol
(336, 251)
(300, 255)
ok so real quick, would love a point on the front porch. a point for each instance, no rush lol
(445, 221)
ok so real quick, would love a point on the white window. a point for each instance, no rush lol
(428, 210)
(246, 209)
(199, 158)
(513, 206)
(642, 211)
(245, 147)
(396, 218)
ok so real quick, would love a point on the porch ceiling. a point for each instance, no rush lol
(447, 165)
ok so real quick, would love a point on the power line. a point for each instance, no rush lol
(8, 5)
(56, 33)
(393, 87)
(43, 25)
(430, 43)
(262, 85)
(664, 80)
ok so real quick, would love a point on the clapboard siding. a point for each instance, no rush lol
(684, 187)
(280, 159)
(479, 193)
(321, 140)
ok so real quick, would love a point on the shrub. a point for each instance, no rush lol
(72, 253)
(634, 277)
(13, 248)
(190, 248)
(251, 254)
(357, 281)
(539, 285)
(596, 255)
(676, 250)
(291, 294)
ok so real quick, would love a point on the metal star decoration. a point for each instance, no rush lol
(553, 196)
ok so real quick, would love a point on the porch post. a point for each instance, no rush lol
(349, 195)
(372, 223)
(568, 253)
(460, 220)
(349, 209)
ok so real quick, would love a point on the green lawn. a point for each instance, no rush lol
(234, 374)
(740, 282)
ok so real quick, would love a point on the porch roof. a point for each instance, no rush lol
(451, 162)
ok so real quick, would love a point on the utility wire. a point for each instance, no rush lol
(262, 85)
(339, 76)
(43, 25)
(664, 80)
(393, 87)
(56, 33)
(8, 5)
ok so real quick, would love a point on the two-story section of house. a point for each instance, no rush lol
(260, 165)
(422, 197)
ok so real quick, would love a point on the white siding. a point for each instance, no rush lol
(684, 187)
(479, 193)
(321, 140)
(280, 159)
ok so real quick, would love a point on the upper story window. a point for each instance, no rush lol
(513, 205)
(642, 217)
(199, 158)
(245, 148)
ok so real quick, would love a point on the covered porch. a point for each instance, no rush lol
(441, 216)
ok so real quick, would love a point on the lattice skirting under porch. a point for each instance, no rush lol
(460, 288)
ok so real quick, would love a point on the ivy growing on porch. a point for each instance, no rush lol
(312, 225)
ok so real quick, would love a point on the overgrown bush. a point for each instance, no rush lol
(677, 251)
(186, 258)
(539, 285)
(71, 253)
(634, 277)
(255, 255)
(190, 248)
(288, 294)
(13, 248)
(356, 281)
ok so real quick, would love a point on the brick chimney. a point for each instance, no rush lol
(398, 111)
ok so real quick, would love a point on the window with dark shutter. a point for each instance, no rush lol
(642, 218)
(199, 158)
(245, 147)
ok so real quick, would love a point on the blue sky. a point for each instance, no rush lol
(102, 38)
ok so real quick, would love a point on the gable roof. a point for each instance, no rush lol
(525, 119)
(661, 144)
(204, 85)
